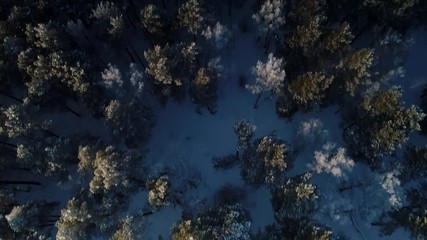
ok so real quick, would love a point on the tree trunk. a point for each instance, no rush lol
(72, 111)
(378, 224)
(147, 213)
(257, 99)
(130, 55)
(354, 123)
(12, 97)
(20, 168)
(357, 227)
(52, 134)
(267, 41)
(6, 182)
(137, 56)
(93, 51)
(8, 144)
(129, 19)
(22, 101)
(342, 189)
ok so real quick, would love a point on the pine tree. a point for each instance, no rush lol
(151, 19)
(383, 125)
(28, 217)
(355, 69)
(308, 89)
(306, 36)
(222, 222)
(130, 122)
(294, 199)
(190, 16)
(270, 17)
(76, 221)
(203, 89)
(160, 65)
(244, 132)
(270, 76)
(130, 228)
(159, 191)
(265, 161)
(108, 18)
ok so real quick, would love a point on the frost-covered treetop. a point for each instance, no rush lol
(112, 77)
(391, 184)
(270, 15)
(219, 33)
(19, 217)
(332, 160)
(269, 76)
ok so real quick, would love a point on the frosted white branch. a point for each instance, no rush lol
(112, 77)
(269, 76)
(270, 15)
(332, 160)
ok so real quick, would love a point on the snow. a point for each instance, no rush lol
(181, 131)
(182, 136)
